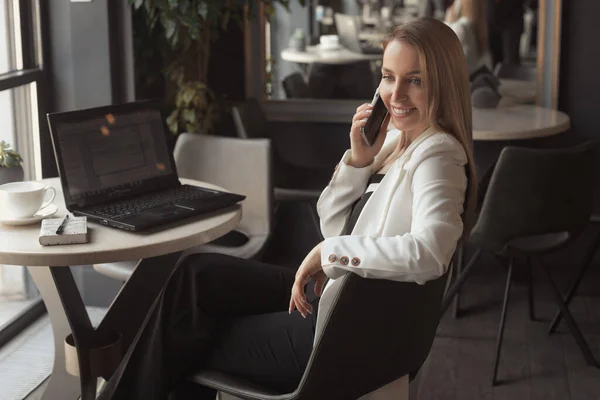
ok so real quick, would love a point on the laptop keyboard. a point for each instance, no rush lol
(153, 200)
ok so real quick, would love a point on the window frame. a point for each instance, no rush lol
(31, 47)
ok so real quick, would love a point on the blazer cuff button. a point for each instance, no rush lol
(332, 258)
(344, 260)
(356, 261)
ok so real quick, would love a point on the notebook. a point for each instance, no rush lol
(74, 231)
(116, 168)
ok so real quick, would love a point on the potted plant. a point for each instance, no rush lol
(183, 32)
(10, 164)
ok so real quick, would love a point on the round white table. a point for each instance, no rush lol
(48, 265)
(518, 122)
(314, 54)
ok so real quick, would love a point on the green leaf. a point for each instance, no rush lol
(173, 4)
(203, 10)
(169, 25)
(137, 3)
(189, 115)
(172, 122)
(188, 96)
(8, 157)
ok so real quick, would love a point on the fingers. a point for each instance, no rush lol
(363, 114)
(300, 303)
(298, 300)
(355, 130)
(363, 107)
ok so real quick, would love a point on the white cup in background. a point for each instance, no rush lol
(24, 199)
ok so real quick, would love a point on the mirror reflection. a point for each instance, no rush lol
(332, 49)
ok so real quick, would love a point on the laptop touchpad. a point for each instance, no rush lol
(165, 211)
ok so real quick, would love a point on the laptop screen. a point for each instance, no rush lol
(103, 154)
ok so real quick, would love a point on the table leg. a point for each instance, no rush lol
(127, 316)
(61, 384)
(128, 311)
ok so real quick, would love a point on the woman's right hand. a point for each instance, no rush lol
(362, 154)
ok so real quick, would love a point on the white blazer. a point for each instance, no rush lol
(411, 224)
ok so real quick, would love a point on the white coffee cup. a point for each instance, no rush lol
(24, 199)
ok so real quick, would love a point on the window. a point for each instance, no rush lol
(21, 76)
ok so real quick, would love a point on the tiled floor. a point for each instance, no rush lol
(533, 365)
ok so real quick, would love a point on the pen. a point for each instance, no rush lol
(62, 225)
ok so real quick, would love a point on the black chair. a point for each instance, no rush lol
(583, 268)
(537, 201)
(295, 87)
(370, 332)
(518, 72)
(291, 183)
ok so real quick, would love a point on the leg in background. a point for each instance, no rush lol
(530, 283)
(585, 265)
(502, 322)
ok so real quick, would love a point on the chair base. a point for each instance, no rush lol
(397, 390)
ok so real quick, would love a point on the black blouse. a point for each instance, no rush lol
(360, 203)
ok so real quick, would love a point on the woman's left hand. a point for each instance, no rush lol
(310, 268)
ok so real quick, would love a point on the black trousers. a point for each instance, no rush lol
(221, 313)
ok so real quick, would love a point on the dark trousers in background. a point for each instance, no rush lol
(221, 313)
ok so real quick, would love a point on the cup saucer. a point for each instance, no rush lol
(45, 212)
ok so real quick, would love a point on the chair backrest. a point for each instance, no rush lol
(369, 333)
(239, 165)
(250, 120)
(536, 191)
(295, 86)
(519, 72)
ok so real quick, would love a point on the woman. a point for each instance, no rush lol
(233, 315)
(467, 20)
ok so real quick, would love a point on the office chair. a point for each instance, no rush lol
(295, 87)
(291, 183)
(370, 334)
(537, 202)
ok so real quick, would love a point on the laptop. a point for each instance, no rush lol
(348, 31)
(116, 168)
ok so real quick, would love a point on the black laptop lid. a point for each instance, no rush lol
(112, 152)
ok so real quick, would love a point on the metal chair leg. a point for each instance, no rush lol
(585, 265)
(530, 296)
(575, 331)
(458, 269)
(502, 322)
(460, 280)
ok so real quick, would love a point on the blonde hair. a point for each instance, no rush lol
(446, 84)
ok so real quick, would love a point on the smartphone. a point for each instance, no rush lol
(371, 129)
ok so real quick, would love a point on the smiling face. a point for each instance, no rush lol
(401, 89)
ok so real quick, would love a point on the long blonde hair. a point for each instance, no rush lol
(446, 83)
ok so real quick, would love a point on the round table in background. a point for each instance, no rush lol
(517, 122)
(159, 251)
(314, 54)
